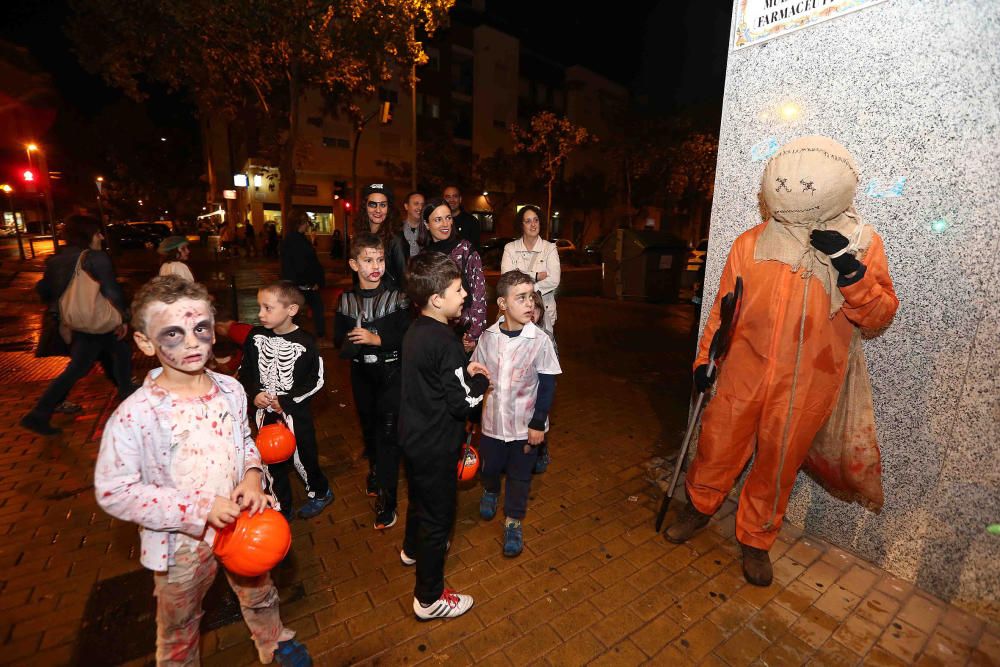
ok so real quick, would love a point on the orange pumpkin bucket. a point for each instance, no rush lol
(468, 465)
(275, 442)
(253, 545)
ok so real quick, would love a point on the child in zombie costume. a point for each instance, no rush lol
(813, 273)
(177, 459)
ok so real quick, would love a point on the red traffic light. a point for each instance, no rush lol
(347, 205)
(28, 176)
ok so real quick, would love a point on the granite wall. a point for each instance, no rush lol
(913, 90)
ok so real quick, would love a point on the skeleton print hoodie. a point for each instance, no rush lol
(285, 365)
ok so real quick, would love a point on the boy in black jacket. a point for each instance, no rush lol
(372, 318)
(281, 372)
(438, 393)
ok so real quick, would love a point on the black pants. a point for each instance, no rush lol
(377, 391)
(305, 461)
(433, 488)
(314, 299)
(84, 351)
(499, 457)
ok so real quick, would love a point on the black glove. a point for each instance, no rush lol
(829, 242)
(702, 380)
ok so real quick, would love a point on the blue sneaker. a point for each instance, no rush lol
(488, 505)
(513, 538)
(292, 653)
(542, 462)
(316, 505)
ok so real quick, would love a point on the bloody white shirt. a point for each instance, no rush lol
(514, 363)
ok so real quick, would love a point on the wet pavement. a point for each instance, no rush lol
(594, 584)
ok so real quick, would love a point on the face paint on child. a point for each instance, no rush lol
(370, 265)
(181, 333)
(519, 304)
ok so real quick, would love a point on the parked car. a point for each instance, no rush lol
(156, 231)
(491, 251)
(130, 236)
(564, 246)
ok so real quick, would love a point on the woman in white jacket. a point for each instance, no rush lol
(536, 257)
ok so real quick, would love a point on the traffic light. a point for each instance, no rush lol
(385, 113)
(30, 179)
(339, 189)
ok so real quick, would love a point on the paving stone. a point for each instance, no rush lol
(797, 596)
(921, 612)
(623, 654)
(772, 621)
(787, 651)
(837, 602)
(878, 608)
(903, 641)
(742, 648)
(858, 634)
(858, 580)
(652, 637)
(699, 640)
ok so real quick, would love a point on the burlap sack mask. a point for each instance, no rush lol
(810, 184)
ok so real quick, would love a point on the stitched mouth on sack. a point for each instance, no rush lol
(798, 210)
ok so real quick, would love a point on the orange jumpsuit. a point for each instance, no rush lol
(761, 398)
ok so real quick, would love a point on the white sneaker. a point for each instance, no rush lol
(449, 605)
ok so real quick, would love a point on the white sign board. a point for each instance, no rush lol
(760, 20)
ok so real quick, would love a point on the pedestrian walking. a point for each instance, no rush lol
(104, 341)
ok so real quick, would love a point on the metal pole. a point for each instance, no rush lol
(413, 118)
(17, 229)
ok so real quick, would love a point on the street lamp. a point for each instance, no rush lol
(30, 148)
(99, 182)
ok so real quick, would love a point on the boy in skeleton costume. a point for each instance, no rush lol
(281, 372)
(813, 274)
(369, 326)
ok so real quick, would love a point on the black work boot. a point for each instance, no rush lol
(756, 566)
(689, 522)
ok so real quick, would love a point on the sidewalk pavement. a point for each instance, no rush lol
(595, 584)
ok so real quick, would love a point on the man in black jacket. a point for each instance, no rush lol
(468, 226)
(300, 266)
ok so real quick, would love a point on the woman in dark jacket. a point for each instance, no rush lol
(440, 234)
(83, 234)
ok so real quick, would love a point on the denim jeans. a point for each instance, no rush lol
(499, 457)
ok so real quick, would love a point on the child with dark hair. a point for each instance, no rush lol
(177, 459)
(439, 388)
(281, 371)
(523, 363)
(369, 326)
